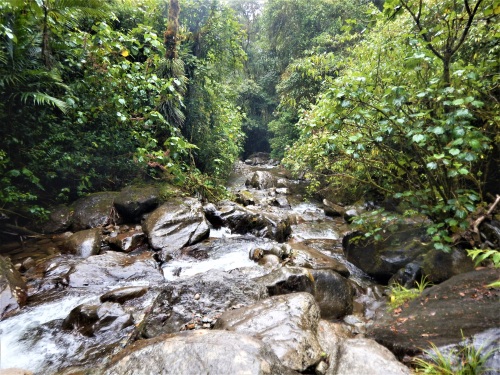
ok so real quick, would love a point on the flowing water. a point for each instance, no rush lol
(32, 339)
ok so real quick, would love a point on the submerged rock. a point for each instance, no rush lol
(94, 210)
(84, 243)
(463, 304)
(198, 352)
(176, 306)
(12, 289)
(288, 323)
(175, 224)
(111, 267)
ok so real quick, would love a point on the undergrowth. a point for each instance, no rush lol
(400, 295)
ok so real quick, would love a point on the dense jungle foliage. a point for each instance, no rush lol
(397, 99)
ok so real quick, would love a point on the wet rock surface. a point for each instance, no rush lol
(60, 219)
(383, 259)
(134, 201)
(262, 180)
(364, 356)
(12, 289)
(308, 257)
(288, 323)
(334, 294)
(84, 243)
(241, 220)
(95, 210)
(288, 280)
(175, 224)
(177, 307)
(123, 294)
(198, 352)
(463, 303)
(127, 242)
(112, 267)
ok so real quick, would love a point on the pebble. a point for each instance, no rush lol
(196, 296)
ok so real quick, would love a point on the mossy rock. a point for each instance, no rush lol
(136, 200)
(94, 210)
(439, 266)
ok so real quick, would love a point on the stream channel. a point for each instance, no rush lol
(34, 339)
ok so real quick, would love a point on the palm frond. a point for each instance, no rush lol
(40, 98)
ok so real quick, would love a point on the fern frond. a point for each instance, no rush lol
(40, 98)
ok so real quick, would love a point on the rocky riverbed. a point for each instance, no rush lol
(135, 283)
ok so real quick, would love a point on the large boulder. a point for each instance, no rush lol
(242, 220)
(330, 337)
(84, 243)
(308, 257)
(245, 198)
(288, 323)
(365, 356)
(463, 304)
(197, 301)
(332, 209)
(198, 352)
(94, 210)
(383, 259)
(288, 280)
(439, 266)
(262, 180)
(175, 224)
(134, 201)
(334, 293)
(12, 289)
(60, 219)
(112, 267)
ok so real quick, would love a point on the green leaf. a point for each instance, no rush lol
(454, 151)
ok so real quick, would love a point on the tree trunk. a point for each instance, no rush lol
(171, 35)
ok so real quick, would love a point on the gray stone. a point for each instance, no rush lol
(350, 214)
(134, 201)
(364, 356)
(332, 209)
(282, 183)
(245, 198)
(175, 306)
(305, 256)
(94, 210)
(111, 267)
(198, 352)
(288, 323)
(263, 180)
(13, 291)
(128, 241)
(463, 304)
(124, 294)
(175, 224)
(269, 261)
(439, 266)
(330, 337)
(243, 220)
(60, 219)
(288, 280)
(383, 259)
(334, 293)
(84, 243)
(282, 202)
